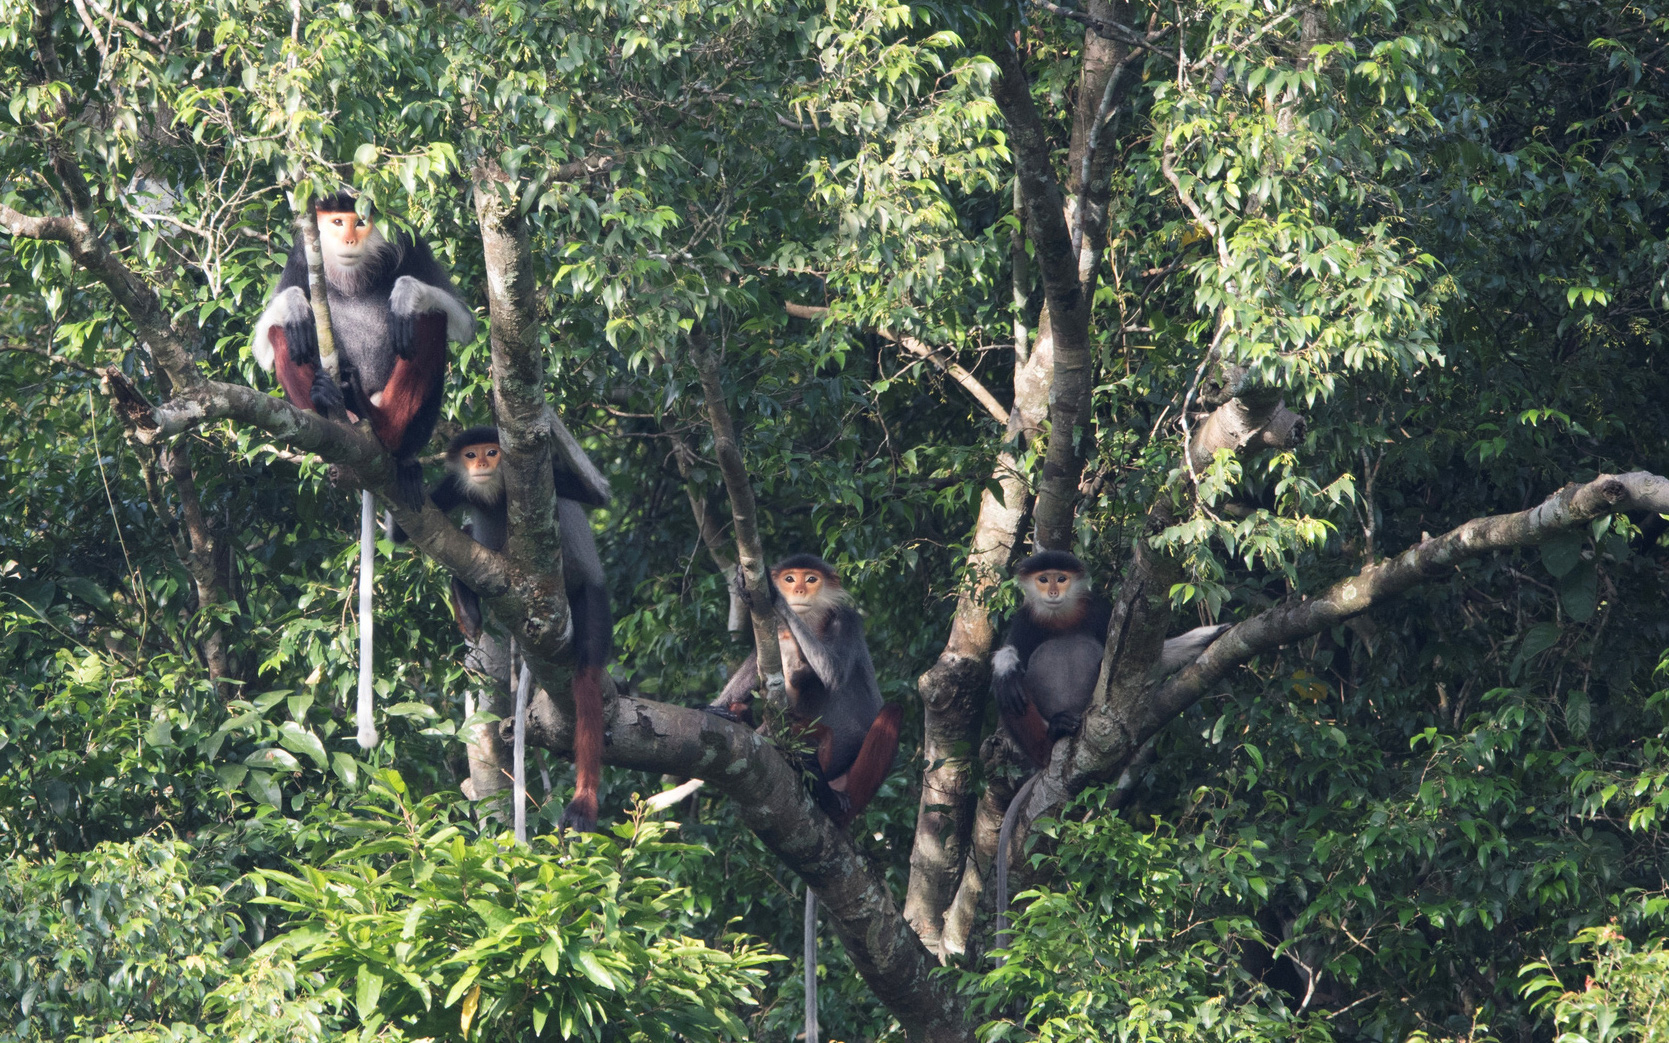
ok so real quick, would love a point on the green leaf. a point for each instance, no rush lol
(367, 990)
(346, 768)
(272, 758)
(299, 739)
(1561, 553)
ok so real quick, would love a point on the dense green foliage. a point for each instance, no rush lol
(1442, 231)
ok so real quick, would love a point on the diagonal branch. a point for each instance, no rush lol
(1299, 617)
(744, 510)
(132, 292)
(950, 367)
(1114, 732)
(771, 800)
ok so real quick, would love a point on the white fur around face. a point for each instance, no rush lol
(289, 306)
(1006, 661)
(415, 297)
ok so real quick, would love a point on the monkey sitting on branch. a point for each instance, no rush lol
(832, 698)
(474, 481)
(392, 308)
(1045, 673)
(832, 692)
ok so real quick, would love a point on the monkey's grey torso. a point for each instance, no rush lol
(1061, 674)
(360, 322)
(849, 717)
(360, 308)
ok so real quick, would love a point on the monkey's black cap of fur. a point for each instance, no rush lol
(1047, 560)
(471, 436)
(339, 202)
(804, 561)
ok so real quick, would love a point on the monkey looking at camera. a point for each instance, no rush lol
(1045, 673)
(474, 481)
(392, 309)
(831, 685)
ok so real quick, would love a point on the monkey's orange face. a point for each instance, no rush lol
(346, 238)
(479, 463)
(803, 586)
(1052, 586)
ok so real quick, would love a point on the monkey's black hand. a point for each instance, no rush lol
(727, 713)
(353, 393)
(402, 333)
(1065, 723)
(302, 337)
(327, 394)
(1006, 675)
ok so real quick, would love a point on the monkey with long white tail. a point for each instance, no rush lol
(1045, 673)
(473, 480)
(833, 696)
(392, 308)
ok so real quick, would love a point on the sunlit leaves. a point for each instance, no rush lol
(432, 933)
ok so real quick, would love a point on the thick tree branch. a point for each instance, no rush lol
(167, 346)
(771, 799)
(539, 616)
(1067, 313)
(353, 448)
(944, 860)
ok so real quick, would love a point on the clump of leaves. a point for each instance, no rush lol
(439, 936)
(1625, 998)
(1135, 936)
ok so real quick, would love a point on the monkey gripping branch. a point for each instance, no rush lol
(523, 587)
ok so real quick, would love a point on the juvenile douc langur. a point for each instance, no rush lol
(392, 308)
(1045, 673)
(833, 695)
(474, 481)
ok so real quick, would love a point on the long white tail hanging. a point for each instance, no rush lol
(367, 578)
(518, 754)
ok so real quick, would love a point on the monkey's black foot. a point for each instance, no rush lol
(408, 479)
(726, 712)
(1065, 723)
(580, 816)
(834, 803)
(326, 394)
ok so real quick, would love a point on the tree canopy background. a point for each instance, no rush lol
(1418, 252)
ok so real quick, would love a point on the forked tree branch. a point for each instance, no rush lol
(1116, 729)
(769, 796)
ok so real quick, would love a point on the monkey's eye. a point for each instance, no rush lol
(491, 453)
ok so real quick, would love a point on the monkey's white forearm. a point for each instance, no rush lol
(285, 308)
(415, 297)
